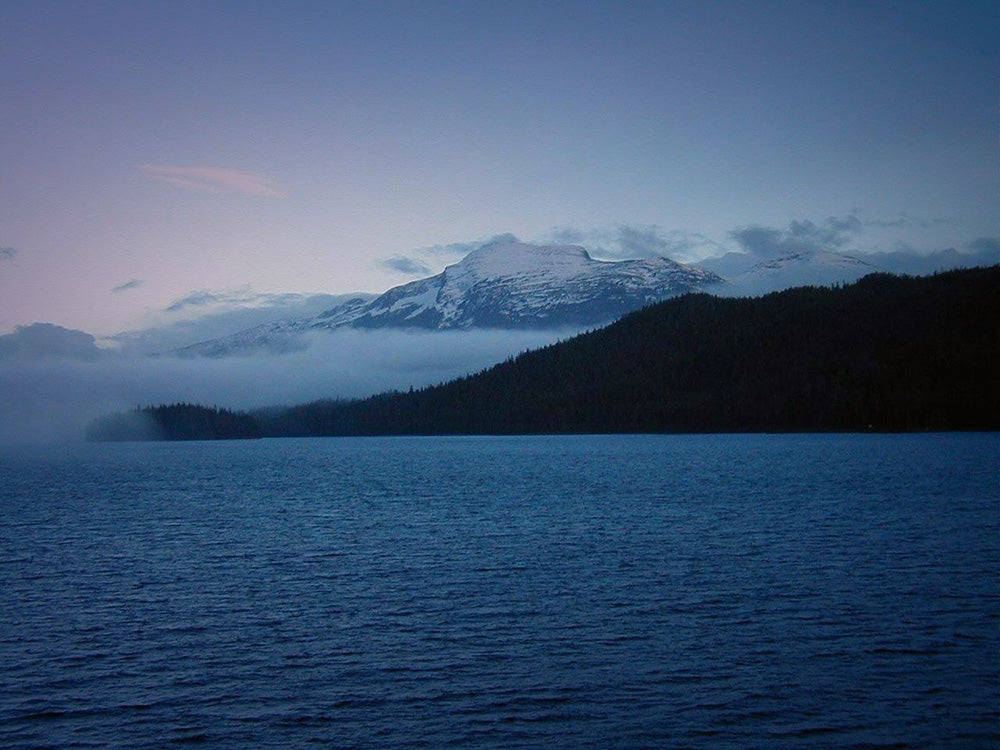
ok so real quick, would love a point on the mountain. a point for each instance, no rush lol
(206, 315)
(807, 267)
(278, 337)
(749, 274)
(509, 284)
(885, 353)
(503, 284)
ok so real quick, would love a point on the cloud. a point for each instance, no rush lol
(629, 241)
(213, 179)
(7, 253)
(197, 299)
(450, 252)
(458, 250)
(506, 238)
(205, 315)
(652, 242)
(40, 341)
(846, 236)
(52, 400)
(427, 261)
(130, 284)
(241, 297)
(642, 242)
(801, 236)
(986, 247)
(837, 227)
(905, 220)
(756, 243)
(983, 251)
(567, 236)
(408, 266)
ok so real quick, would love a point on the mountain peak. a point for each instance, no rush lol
(508, 256)
(504, 283)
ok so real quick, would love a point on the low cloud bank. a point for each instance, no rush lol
(47, 341)
(46, 400)
(221, 313)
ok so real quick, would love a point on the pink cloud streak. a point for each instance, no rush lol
(213, 179)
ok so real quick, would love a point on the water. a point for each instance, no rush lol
(624, 591)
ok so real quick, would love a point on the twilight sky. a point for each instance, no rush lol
(150, 151)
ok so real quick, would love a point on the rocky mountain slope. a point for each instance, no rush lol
(504, 284)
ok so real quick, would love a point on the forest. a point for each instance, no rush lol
(174, 422)
(886, 353)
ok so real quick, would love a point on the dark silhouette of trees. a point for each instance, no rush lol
(174, 422)
(886, 353)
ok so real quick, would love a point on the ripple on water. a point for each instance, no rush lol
(625, 591)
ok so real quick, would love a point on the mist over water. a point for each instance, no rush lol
(52, 399)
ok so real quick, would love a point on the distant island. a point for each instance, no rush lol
(174, 422)
(886, 353)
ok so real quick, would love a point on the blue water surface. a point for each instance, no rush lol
(594, 591)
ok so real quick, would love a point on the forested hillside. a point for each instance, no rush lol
(885, 353)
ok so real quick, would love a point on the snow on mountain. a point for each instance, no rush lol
(277, 337)
(812, 260)
(503, 284)
(805, 267)
(509, 284)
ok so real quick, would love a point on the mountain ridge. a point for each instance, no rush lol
(503, 284)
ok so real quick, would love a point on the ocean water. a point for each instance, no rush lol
(573, 592)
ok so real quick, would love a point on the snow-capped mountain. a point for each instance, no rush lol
(812, 261)
(509, 284)
(801, 268)
(503, 284)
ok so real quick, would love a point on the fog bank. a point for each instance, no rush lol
(53, 399)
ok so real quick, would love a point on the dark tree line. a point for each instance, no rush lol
(885, 353)
(174, 422)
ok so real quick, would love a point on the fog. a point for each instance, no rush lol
(48, 399)
(218, 314)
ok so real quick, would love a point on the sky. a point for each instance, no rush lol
(152, 152)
